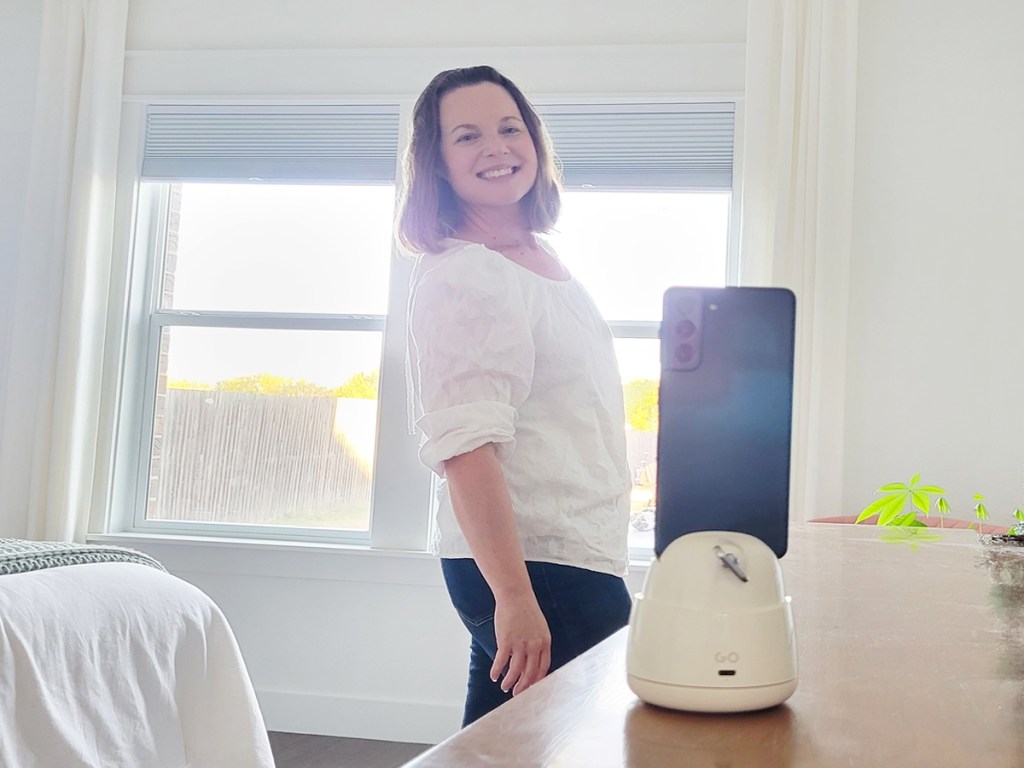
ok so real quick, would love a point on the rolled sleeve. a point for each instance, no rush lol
(472, 344)
(464, 428)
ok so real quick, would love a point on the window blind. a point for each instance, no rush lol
(271, 143)
(621, 146)
(643, 146)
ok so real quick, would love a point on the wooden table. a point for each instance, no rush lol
(911, 654)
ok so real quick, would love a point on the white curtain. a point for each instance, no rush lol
(53, 384)
(796, 198)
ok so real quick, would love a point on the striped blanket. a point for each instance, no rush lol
(21, 556)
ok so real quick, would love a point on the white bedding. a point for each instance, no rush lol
(119, 665)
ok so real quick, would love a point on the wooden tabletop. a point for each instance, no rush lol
(911, 653)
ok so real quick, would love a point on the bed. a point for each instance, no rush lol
(108, 661)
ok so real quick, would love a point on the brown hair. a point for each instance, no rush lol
(429, 210)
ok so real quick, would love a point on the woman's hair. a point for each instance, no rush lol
(429, 210)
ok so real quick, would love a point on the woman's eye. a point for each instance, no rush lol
(464, 138)
(511, 129)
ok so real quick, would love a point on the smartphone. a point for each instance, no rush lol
(725, 410)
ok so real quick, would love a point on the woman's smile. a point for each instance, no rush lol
(499, 172)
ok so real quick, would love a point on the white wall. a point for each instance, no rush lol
(936, 357)
(315, 48)
(20, 25)
(295, 24)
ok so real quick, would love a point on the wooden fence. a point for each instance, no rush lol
(238, 457)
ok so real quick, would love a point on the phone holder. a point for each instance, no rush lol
(712, 630)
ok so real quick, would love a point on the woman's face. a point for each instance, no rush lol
(487, 150)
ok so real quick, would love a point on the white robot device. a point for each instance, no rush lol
(712, 630)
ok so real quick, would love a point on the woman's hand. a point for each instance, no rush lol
(524, 642)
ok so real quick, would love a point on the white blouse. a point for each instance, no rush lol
(503, 355)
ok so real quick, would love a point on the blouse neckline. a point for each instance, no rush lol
(560, 281)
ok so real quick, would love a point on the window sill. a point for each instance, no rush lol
(296, 559)
(281, 559)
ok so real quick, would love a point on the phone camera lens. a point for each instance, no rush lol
(685, 329)
(685, 353)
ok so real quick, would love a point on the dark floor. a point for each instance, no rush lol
(296, 750)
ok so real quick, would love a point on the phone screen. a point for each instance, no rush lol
(725, 406)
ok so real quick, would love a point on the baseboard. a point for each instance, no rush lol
(406, 721)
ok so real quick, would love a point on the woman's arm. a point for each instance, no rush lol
(483, 510)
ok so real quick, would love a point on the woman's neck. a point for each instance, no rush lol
(513, 239)
(495, 229)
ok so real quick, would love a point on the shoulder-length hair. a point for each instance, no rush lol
(429, 210)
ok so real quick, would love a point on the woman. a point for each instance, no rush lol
(517, 383)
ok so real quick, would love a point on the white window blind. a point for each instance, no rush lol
(350, 143)
(621, 146)
(643, 146)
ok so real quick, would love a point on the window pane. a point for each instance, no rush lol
(628, 247)
(265, 427)
(640, 368)
(279, 248)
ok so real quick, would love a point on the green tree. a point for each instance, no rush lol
(363, 386)
(269, 384)
(641, 397)
(189, 384)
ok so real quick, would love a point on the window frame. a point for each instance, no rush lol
(401, 499)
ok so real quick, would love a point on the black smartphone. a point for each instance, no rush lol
(725, 410)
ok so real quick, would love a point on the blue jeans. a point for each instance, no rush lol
(582, 608)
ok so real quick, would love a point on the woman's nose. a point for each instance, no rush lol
(496, 145)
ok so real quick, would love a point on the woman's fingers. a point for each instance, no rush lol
(536, 669)
(501, 660)
(524, 643)
(525, 666)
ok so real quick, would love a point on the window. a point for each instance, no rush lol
(647, 206)
(271, 425)
(627, 248)
(264, 379)
(269, 286)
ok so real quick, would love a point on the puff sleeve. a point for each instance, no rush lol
(472, 351)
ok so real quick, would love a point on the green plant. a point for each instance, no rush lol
(980, 510)
(1017, 529)
(900, 504)
(892, 507)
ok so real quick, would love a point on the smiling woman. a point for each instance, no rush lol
(518, 389)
